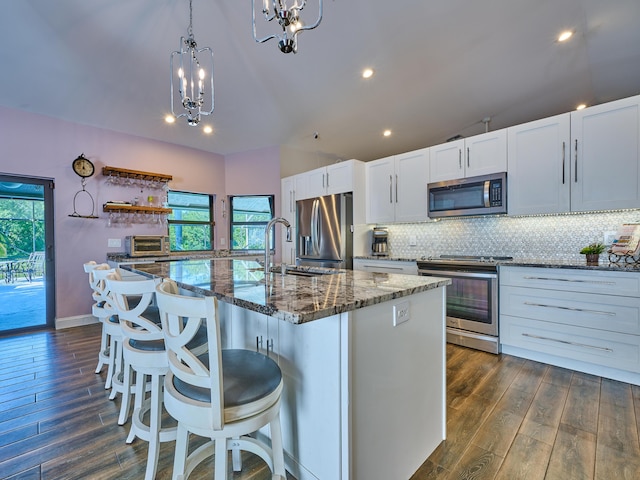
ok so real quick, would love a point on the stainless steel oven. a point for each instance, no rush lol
(472, 298)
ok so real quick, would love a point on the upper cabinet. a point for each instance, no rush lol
(580, 161)
(335, 178)
(539, 172)
(478, 155)
(397, 188)
(605, 151)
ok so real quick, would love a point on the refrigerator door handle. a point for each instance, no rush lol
(315, 227)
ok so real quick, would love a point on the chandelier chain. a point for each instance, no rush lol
(190, 31)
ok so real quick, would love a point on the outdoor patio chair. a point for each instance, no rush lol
(30, 268)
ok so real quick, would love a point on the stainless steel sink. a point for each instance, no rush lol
(306, 271)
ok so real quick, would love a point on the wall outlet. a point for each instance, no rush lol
(114, 242)
(413, 241)
(400, 313)
(608, 237)
(223, 242)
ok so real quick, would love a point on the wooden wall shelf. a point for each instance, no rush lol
(136, 209)
(125, 173)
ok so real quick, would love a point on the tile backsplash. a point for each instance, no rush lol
(552, 237)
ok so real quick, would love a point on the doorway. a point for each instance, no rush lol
(27, 272)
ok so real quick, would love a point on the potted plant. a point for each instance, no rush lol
(593, 251)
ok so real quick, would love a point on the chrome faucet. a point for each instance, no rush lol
(267, 231)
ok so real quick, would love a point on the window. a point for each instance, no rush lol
(249, 217)
(191, 223)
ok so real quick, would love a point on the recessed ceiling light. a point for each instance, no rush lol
(170, 119)
(582, 106)
(564, 36)
(367, 73)
(207, 129)
(387, 133)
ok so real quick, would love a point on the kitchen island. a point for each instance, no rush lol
(362, 355)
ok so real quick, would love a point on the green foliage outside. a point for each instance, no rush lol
(249, 217)
(21, 227)
(193, 212)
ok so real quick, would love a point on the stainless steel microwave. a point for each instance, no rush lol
(483, 195)
(147, 245)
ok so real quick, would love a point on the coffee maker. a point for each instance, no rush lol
(379, 245)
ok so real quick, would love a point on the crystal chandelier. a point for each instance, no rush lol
(289, 20)
(192, 75)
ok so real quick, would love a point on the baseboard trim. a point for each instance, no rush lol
(77, 321)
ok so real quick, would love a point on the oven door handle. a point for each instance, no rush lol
(453, 273)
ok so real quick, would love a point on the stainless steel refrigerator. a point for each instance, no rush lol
(324, 231)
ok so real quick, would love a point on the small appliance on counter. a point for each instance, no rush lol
(147, 245)
(379, 245)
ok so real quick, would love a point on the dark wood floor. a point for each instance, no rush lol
(508, 418)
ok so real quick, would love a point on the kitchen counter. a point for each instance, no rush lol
(296, 299)
(362, 357)
(580, 263)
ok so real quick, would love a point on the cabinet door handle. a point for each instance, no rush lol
(563, 160)
(390, 188)
(566, 342)
(327, 179)
(380, 267)
(258, 343)
(468, 157)
(323, 180)
(576, 162)
(396, 188)
(597, 312)
(595, 282)
(460, 158)
(269, 346)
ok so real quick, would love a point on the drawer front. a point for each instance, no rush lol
(587, 281)
(603, 312)
(608, 349)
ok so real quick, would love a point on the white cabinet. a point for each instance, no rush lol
(397, 188)
(539, 174)
(288, 211)
(580, 161)
(335, 178)
(478, 155)
(405, 267)
(587, 320)
(605, 156)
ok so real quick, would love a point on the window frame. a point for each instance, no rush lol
(232, 224)
(211, 223)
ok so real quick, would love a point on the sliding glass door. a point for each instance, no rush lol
(27, 299)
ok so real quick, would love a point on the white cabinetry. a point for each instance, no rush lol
(605, 148)
(539, 175)
(478, 155)
(386, 266)
(583, 161)
(335, 178)
(586, 320)
(397, 188)
(288, 211)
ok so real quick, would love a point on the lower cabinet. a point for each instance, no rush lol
(386, 266)
(586, 320)
(359, 389)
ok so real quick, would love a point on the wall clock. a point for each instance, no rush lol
(83, 166)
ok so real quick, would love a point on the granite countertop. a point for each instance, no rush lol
(571, 263)
(296, 299)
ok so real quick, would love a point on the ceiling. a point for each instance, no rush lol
(440, 67)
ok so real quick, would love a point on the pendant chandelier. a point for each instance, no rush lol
(192, 73)
(289, 20)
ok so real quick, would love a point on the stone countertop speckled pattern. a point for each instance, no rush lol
(296, 299)
(543, 263)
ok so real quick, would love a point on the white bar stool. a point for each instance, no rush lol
(100, 313)
(144, 356)
(223, 395)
